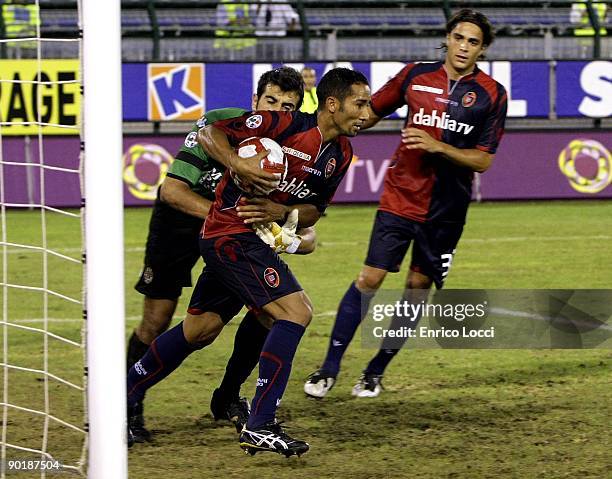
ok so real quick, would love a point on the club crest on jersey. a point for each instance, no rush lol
(468, 99)
(191, 140)
(330, 167)
(271, 277)
(254, 121)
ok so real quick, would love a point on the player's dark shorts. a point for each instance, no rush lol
(432, 253)
(172, 251)
(240, 270)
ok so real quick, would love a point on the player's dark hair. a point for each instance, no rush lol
(472, 16)
(286, 78)
(337, 83)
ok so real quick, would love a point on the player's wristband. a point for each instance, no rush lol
(293, 247)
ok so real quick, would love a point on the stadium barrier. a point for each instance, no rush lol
(170, 92)
(528, 165)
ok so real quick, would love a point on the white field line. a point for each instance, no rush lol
(129, 319)
(324, 314)
(501, 239)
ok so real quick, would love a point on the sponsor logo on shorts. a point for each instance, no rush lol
(191, 140)
(271, 277)
(201, 123)
(297, 153)
(139, 369)
(330, 167)
(147, 275)
(254, 121)
(468, 99)
(312, 171)
(261, 382)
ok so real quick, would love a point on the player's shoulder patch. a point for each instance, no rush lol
(201, 123)
(191, 140)
(254, 121)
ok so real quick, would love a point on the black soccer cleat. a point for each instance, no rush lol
(271, 437)
(136, 425)
(318, 384)
(236, 410)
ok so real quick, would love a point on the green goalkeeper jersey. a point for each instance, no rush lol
(195, 168)
(192, 165)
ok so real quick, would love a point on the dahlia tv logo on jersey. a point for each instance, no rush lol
(271, 277)
(442, 121)
(176, 92)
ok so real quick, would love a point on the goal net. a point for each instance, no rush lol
(52, 270)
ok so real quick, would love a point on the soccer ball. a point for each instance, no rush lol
(275, 163)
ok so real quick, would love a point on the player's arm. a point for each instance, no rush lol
(472, 158)
(216, 145)
(309, 240)
(263, 210)
(180, 196)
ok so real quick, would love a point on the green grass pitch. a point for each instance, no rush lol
(444, 413)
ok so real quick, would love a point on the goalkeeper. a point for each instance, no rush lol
(172, 247)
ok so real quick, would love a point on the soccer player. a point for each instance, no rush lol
(242, 269)
(172, 246)
(456, 116)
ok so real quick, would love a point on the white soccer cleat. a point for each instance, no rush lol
(369, 386)
(319, 384)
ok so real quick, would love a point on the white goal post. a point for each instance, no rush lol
(102, 137)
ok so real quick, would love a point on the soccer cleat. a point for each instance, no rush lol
(271, 437)
(136, 424)
(369, 386)
(319, 384)
(236, 410)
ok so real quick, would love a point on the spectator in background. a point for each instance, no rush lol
(579, 16)
(310, 103)
(274, 18)
(20, 19)
(235, 26)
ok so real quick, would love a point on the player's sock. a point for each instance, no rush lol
(351, 311)
(379, 362)
(248, 343)
(136, 350)
(391, 345)
(274, 368)
(166, 353)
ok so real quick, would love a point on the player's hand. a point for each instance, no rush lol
(417, 139)
(286, 240)
(261, 210)
(264, 231)
(250, 172)
(280, 239)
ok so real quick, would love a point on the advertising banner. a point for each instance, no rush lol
(183, 91)
(528, 165)
(55, 102)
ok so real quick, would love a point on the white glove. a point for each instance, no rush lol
(281, 239)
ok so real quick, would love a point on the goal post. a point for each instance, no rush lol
(105, 303)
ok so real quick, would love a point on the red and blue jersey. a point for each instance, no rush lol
(468, 114)
(314, 169)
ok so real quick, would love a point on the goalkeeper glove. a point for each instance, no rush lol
(281, 239)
